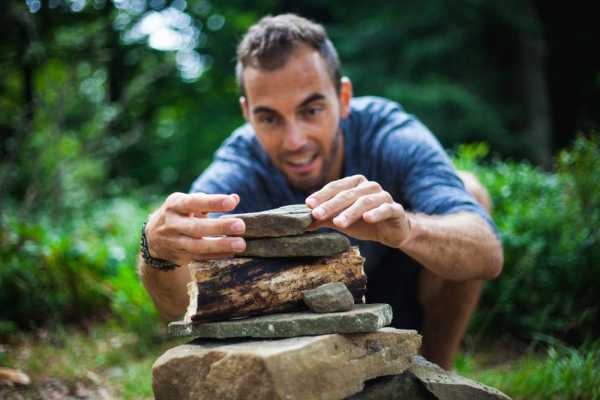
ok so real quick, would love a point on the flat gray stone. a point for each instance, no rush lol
(445, 385)
(403, 386)
(363, 318)
(330, 297)
(283, 221)
(307, 245)
(301, 368)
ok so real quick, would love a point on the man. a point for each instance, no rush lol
(365, 167)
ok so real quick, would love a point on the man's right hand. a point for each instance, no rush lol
(181, 232)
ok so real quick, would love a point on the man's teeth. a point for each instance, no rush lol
(303, 161)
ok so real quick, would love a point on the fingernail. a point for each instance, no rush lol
(311, 202)
(238, 245)
(229, 202)
(318, 212)
(237, 227)
(341, 221)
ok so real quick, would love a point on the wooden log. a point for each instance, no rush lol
(239, 287)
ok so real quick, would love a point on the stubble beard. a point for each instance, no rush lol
(328, 163)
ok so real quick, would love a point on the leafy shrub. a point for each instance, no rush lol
(550, 228)
(83, 268)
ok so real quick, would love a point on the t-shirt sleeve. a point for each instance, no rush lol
(428, 181)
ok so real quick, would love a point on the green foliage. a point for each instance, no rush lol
(565, 373)
(79, 269)
(90, 106)
(549, 224)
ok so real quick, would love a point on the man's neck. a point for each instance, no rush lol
(338, 167)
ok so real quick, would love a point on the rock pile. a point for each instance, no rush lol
(281, 261)
(281, 233)
(281, 322)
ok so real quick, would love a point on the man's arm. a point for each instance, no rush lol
(181, 232)
(457, 246)
(168, 289)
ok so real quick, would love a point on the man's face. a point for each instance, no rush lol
(295, 112)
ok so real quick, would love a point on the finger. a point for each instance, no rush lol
(200, 227)
(383, 212)
(359, 207)
(332, 188)
(344, 199)
(211, 245)
(201, 203)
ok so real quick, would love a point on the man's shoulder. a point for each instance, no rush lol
(241, 144)
(374, 105)
(369, 115)
(242, 137)
(375, 122)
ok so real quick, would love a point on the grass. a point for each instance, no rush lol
(555, 372)
(106, 358)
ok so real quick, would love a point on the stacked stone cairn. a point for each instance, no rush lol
(287, 320)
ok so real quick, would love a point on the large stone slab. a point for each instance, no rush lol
(307, 245)
(425, 380)
(304, 368)
(330, 297)
(363, 318)
(403, 386)
(283, 221)
(446, 385)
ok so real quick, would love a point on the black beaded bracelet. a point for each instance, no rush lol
(158, 263)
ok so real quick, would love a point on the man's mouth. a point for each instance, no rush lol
(302, 165)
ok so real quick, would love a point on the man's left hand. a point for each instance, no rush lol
(362, 209)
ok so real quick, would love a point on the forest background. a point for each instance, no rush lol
(106, 107)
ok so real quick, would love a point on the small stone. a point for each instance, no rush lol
(446, 385)
(330, 297)
(14, 376)
(362, 318)
(304, 368)
(307, 245)
(283, 221)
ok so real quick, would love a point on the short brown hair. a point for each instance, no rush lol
(269, 43)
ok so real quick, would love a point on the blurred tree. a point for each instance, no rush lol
(104, 97)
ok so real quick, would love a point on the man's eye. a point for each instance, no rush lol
(312, 111)
(268, 119)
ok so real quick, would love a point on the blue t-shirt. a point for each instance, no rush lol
(381, 142)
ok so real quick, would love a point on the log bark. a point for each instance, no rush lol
(241, 287)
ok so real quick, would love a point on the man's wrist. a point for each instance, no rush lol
(412, 231)
(157, 263)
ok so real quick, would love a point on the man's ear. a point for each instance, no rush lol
(244, 107)
(345, 96)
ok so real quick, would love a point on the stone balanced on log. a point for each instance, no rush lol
(327, 352)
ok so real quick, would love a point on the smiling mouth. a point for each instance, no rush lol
(302, 165)
(300, 162)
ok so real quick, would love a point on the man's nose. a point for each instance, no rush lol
(294, 137)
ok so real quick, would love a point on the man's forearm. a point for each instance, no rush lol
(455, 247)
(168, 289)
